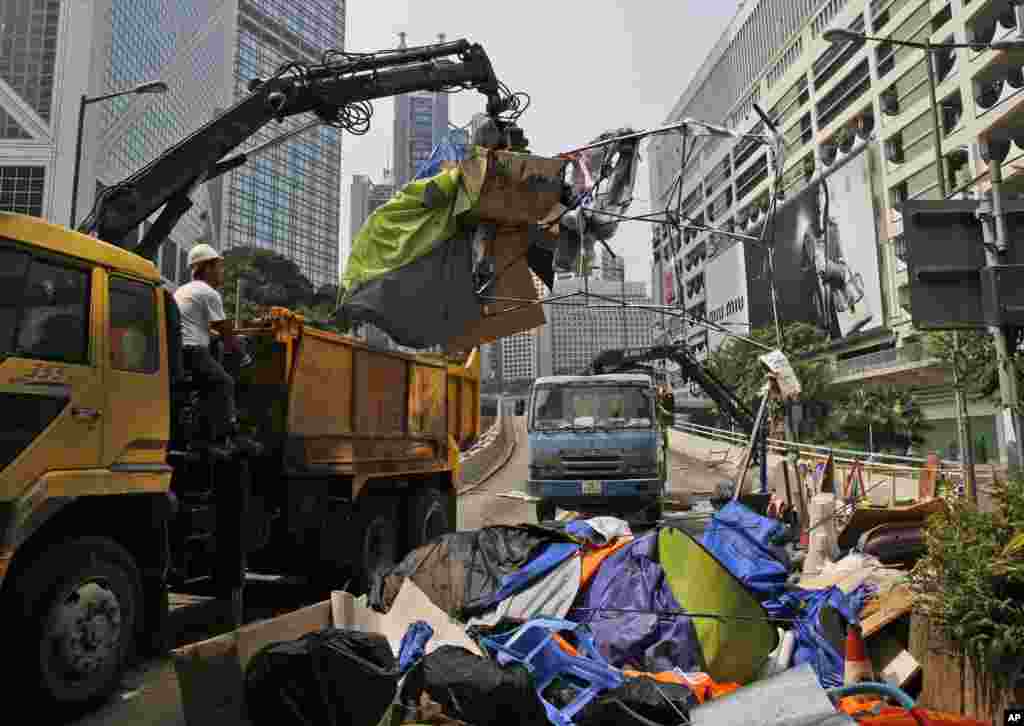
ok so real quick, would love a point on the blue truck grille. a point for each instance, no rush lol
(593, 467)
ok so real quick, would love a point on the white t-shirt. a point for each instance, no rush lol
(200, 305)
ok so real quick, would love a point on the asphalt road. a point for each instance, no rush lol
(150, 697)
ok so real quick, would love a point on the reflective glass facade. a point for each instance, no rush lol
(287, 198)
(28, 48)
(185, 43)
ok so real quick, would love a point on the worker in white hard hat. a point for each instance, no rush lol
(202, 309)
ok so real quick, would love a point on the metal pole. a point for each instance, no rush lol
(78, 160)
(238, 300)
(1007, 374)
(963, 421)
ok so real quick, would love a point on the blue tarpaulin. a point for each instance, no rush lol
(549, 558)
(450, 148)
(742, 541)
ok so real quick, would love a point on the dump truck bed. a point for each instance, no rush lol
(329, 403)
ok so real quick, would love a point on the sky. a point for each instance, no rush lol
(588, 65)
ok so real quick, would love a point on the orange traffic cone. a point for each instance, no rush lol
(858, 665)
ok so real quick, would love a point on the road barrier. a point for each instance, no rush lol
(489, 454)
(901, 472)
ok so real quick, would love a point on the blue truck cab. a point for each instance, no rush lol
(596, 445)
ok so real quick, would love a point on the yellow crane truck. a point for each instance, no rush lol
(104, 503)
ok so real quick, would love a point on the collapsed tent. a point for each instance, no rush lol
(461, 572)
(460, 240)
(748, 545)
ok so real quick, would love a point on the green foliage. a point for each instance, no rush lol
(971, 581)
(736, 362)
(270, 279)
(888, 415)
(975, 362)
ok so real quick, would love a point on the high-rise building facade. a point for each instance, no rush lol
(364, 196)
(580, 330)
(51, 53)
(421, 122)
(287, 199)
(526, 355)
(858, 115)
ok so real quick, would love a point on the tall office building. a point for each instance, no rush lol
(287, 199)
(365, 196)
(526, 355)
(421, 122)
(52, 52)
(858, 121)
(580, 331)
(613, 269)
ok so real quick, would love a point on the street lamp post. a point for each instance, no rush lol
(841, 35)
(151, 87)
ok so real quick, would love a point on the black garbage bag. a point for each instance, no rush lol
(332, 677)
(473, 689)
(639, 702)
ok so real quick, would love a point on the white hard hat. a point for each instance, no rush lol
(202, 253)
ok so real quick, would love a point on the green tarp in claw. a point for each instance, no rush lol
(421, 215)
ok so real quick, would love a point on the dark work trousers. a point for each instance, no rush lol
(217, 387)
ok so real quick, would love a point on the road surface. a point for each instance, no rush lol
(150, 694)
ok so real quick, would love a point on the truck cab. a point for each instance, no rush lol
(595, 445)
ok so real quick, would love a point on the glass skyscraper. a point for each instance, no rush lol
(287, 198)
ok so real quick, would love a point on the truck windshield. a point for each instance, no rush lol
(592, 407)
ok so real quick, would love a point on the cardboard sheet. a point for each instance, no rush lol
(410, 605)
(211, 673)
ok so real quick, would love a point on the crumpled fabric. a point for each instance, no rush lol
(633, 580)
(821, 619)
(741, 539)
(460, 572)
(599, 531)
(414, 645)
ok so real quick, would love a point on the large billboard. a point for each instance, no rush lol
(826, 256)
(725, 278)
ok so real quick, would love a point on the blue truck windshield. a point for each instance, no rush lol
(606, 407)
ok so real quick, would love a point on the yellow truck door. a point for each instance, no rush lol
(51, 385)
(138, 409)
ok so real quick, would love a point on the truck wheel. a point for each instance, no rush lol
(378, 534)
(428, 516)
(78, 606)
(545, 511)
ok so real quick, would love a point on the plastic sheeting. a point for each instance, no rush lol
(461, 572)
(741, 539)
(421, 215)
(618, 605)
(736, 646)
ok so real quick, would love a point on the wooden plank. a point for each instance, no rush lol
(892, 605)
(943, 681)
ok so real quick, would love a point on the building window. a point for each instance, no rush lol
(28, 49)
(21, 189)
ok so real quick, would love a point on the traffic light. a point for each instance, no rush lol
(950, 285)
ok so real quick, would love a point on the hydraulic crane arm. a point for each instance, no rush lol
(324, 89)
(621, 360)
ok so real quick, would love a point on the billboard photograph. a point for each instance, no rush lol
(826, 256)
(726, 302)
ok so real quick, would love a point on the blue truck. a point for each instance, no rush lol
(596, 445)
(598, 441)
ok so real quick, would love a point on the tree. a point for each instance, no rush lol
(736, 363)
(975, 362)
(271, 279)
(879, 417)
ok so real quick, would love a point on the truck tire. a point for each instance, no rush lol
(545, 511)
(378, 536)
(428, 515)
(78, 607)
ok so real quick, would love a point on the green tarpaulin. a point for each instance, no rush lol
(735, 646)
(421, 215)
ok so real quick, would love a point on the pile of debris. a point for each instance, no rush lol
(588, 623)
